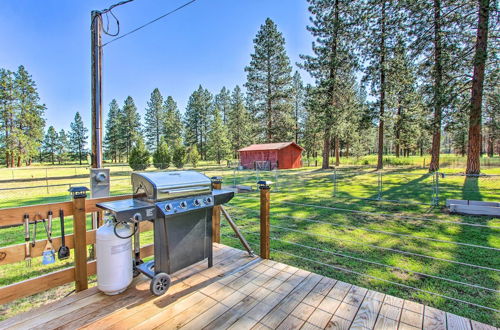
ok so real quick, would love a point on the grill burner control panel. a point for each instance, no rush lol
(182, 205)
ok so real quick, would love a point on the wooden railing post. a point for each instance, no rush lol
(265, 202)
(216, 184)
(80, 237)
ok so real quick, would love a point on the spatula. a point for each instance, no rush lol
(63, 252)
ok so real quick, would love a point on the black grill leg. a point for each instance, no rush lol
(210, 261)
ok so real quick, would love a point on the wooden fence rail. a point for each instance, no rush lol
(78, 241)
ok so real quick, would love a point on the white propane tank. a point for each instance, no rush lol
(114, 258)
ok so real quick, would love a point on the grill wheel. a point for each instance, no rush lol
(160, 284)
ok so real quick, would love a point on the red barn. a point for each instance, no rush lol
(281, 155)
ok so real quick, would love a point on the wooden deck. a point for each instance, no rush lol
(240, 292)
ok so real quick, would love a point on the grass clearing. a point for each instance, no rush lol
(359, 242)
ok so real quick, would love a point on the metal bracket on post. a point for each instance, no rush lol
(265, 232)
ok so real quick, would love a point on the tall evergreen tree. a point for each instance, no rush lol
(475, 112)
(223, 102)
(78, 138)
(112, 135)
(298, 98)
(332, 65)
(197, 119)
(130, 126)
(173, 126)
(50, 144)
(7, 115)
(62, 146)
(154, 119)
(218, 145)
(240, 123)
(29, 122)
(381, 26)
(438, 39)
(269, 84)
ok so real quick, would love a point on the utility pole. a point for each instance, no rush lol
(96, 55)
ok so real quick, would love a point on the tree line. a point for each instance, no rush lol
(391, 77)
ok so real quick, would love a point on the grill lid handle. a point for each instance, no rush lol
(182, 190)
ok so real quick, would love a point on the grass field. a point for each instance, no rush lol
(332, 234)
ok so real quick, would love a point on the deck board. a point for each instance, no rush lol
(240, 292)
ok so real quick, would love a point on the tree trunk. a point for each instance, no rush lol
(490, 145)
(347, 150)
(474, 146)
(438, 89)
(380, 163)
(326, 149)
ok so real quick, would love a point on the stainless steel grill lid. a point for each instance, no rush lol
(159, 186)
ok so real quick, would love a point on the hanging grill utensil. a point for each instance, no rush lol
(49, 255)
(63, 252)
(27, 247)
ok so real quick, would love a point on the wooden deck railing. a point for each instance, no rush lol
(79, 208)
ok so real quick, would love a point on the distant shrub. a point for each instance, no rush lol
(193, 156)
(179, 155)
(139, 157)
(161, 157)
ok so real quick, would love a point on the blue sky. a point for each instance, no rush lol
(208, 43)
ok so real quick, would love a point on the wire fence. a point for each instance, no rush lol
(450, 265)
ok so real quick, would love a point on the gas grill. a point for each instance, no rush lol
(180, 204)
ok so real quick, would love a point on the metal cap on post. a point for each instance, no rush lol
(265, 230)
(78, 192)
(216, 184)
(80, 236)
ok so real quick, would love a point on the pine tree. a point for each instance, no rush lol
(179, 154)
(193, 156)
(218, 145)
(197, 119)
(173, 126)
(269, 84)
(154, 119)
(130, 126)
(381, 28)
(439, 39)
(332, 65)
(112, 135)
(7, 115)
(475, 113)
(298, 106)
(223, 102)
(62, 147)
(29, 124)
(161, 157)
(240, 123)
(139, 156)
(78, 138)
(50, 143)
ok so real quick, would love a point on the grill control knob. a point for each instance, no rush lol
(183, 205)
(208, 200)
(197, 202)
(168, 207)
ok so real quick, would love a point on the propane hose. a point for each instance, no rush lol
(125, 223)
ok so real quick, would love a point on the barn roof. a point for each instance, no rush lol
(270, 146)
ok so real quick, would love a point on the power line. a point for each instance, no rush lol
(148, 23)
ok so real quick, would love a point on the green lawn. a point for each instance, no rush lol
(374, 240)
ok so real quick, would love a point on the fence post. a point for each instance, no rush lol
(334, 182)
(80, 236)
(379, 197)
(265, 202)
(436, 201)
(216, 184)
